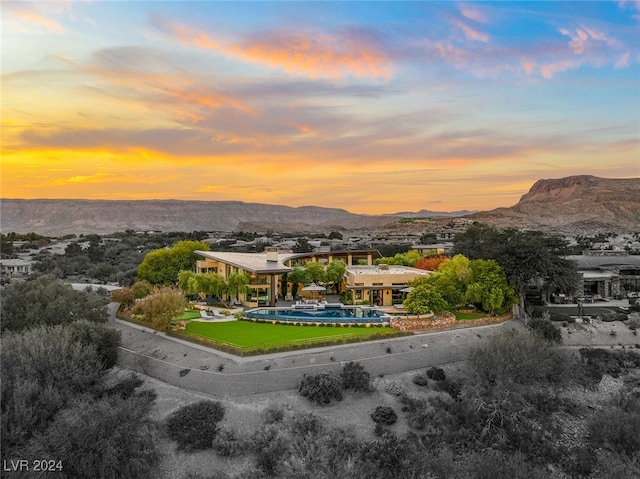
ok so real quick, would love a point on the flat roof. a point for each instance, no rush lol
(391, 269)
(252, 262)
(257, 262)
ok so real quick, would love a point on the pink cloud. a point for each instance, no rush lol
(314, 54)
(25, 13)
(471, 33)
(473, 13)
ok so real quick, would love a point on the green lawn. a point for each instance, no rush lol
(246, 334)
(187, 315)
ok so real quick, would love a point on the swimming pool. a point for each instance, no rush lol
(325, 314)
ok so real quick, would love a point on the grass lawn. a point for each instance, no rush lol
(187, 315)
(248, 335)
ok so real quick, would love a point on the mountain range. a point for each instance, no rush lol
(576, 204)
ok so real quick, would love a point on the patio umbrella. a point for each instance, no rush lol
(314, 287)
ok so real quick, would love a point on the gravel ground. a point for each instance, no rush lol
(244, 413)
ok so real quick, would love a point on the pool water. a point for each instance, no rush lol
(328, 314)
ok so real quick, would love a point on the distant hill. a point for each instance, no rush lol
(60, 217)
(432, 214)
(575, 204)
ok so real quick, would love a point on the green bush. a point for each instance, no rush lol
(108, 438)
(420, 380)
(194, 426)
(546, 330)
(437, 374)
(384, 415)
(321, 388)
(558, 317)
(228, 443)
(355, 377)
(105, 339)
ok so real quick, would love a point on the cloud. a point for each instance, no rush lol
(472, 12)
(471, 33)
(26, 12)
(315, 54)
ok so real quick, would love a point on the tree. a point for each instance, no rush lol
(109, 437)
(451, 279)
(237, 283)
(161, 306)
(431, 263)
(194, 426)
(321, 388)
(335, 235)
(424, 299)
(42, 370)
(297, 276)
(302, 246)
(45, 301)
(490, 287)
(162, 266)
(316, 272)
(408, 258)
(527, 257)
(335, 272)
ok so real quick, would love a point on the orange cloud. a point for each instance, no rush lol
(314, 55)
(28, 15)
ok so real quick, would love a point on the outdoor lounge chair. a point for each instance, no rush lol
(204, 315)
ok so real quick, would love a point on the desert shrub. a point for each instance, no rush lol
(42, 369)
(384, 415)
(634, 308)
(420, 380)
(545, 330)
(616, 429)
(355, 377)
(194, 426)
(558, 317)
(621, 316)
(522, 358)
(105, 339)
(607, 318)
(111, 437)
(124, 388)
(228, 443)
(633, 323)
(304, 424)
(416, 410)
(389, 456)
(610, 361)
(437, 374)
(492, 464)
(269, 445)
(395, 389)
(273, 414)
(452, 388)
(321, 388)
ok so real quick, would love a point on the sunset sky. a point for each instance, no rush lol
(374, 107)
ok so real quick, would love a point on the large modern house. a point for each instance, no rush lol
(608, 275)
(367, 282)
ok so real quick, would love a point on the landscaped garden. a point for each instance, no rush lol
(247, 338)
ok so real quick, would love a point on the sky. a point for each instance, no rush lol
(373, 107)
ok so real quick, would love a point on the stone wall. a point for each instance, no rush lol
(428, 323)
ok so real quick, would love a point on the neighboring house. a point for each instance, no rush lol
(15, 267)
(608, 275)
(266, 272)
(380, 285)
